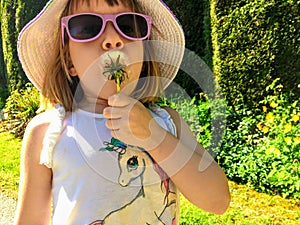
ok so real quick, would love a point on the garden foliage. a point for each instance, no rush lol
(197, 111)
(254, 43)
(262, 147)
(21, 106)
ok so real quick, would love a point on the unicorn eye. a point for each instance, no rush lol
(132, 163)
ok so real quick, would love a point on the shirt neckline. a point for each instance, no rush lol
(90, 114)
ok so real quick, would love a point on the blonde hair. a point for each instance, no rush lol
(60, 87)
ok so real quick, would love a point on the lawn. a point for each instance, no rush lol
(9, 164)
(247, 207)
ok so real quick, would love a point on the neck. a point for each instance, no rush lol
(93, 105)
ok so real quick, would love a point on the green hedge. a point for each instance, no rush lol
(254, 43)
(9, 33)
(194, 16)
(14, 15)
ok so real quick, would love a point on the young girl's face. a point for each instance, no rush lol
(83, 54)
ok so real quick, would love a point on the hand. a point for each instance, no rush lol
(130, 122)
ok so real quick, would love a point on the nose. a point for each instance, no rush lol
(112, 38)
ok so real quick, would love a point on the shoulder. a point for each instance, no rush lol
(34, 135)
(38, 124)
(42, 121)
(164, 118)
(173, 113)
(36, 131)
(174, 116)
(165, 111)
(51, 120)
(181, 125)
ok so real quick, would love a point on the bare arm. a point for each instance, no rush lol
(192, 169)
(34, 200)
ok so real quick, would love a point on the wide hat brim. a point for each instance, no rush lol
(37, 38)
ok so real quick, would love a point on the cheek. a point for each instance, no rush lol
(135, 53)
(81, 57)
(133, 72)
(92, 84)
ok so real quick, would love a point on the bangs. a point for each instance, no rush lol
(74, 4)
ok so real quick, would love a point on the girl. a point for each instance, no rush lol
(103, 157)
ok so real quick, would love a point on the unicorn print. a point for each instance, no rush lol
(136, 163)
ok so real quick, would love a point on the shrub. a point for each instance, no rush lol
(262, 147)
(254, 43)
(21, 106)
(196, 112)
(197, 31)
(280, 142)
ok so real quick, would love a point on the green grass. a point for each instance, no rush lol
(247, 207)
(9, 164)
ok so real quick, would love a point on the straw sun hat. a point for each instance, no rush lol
(37, 38)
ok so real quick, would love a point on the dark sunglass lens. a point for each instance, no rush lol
(134, 26)
(84, 27)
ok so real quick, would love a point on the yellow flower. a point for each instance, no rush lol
(297, 140)
(287, 128)
(269, 151)
(265, 129)
(270, 117)
(288, 140)
(277, 152)
(273, 104)
(295, 117)
(272, 149)
(259, 126)
(264, 108)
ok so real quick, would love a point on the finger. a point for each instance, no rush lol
(118, 135)
(119, 100)
(114, 135)
(113, 125)
(112, 113)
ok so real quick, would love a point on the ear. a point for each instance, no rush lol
(72, 71)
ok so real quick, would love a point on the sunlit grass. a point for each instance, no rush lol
(9, 164)
(247, 207)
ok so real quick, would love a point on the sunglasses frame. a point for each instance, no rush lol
(105, 18)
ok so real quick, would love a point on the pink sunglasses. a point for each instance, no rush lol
(85, 27)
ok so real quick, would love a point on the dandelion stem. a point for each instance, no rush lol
(118, 81)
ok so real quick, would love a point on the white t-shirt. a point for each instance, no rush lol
(100, 180)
